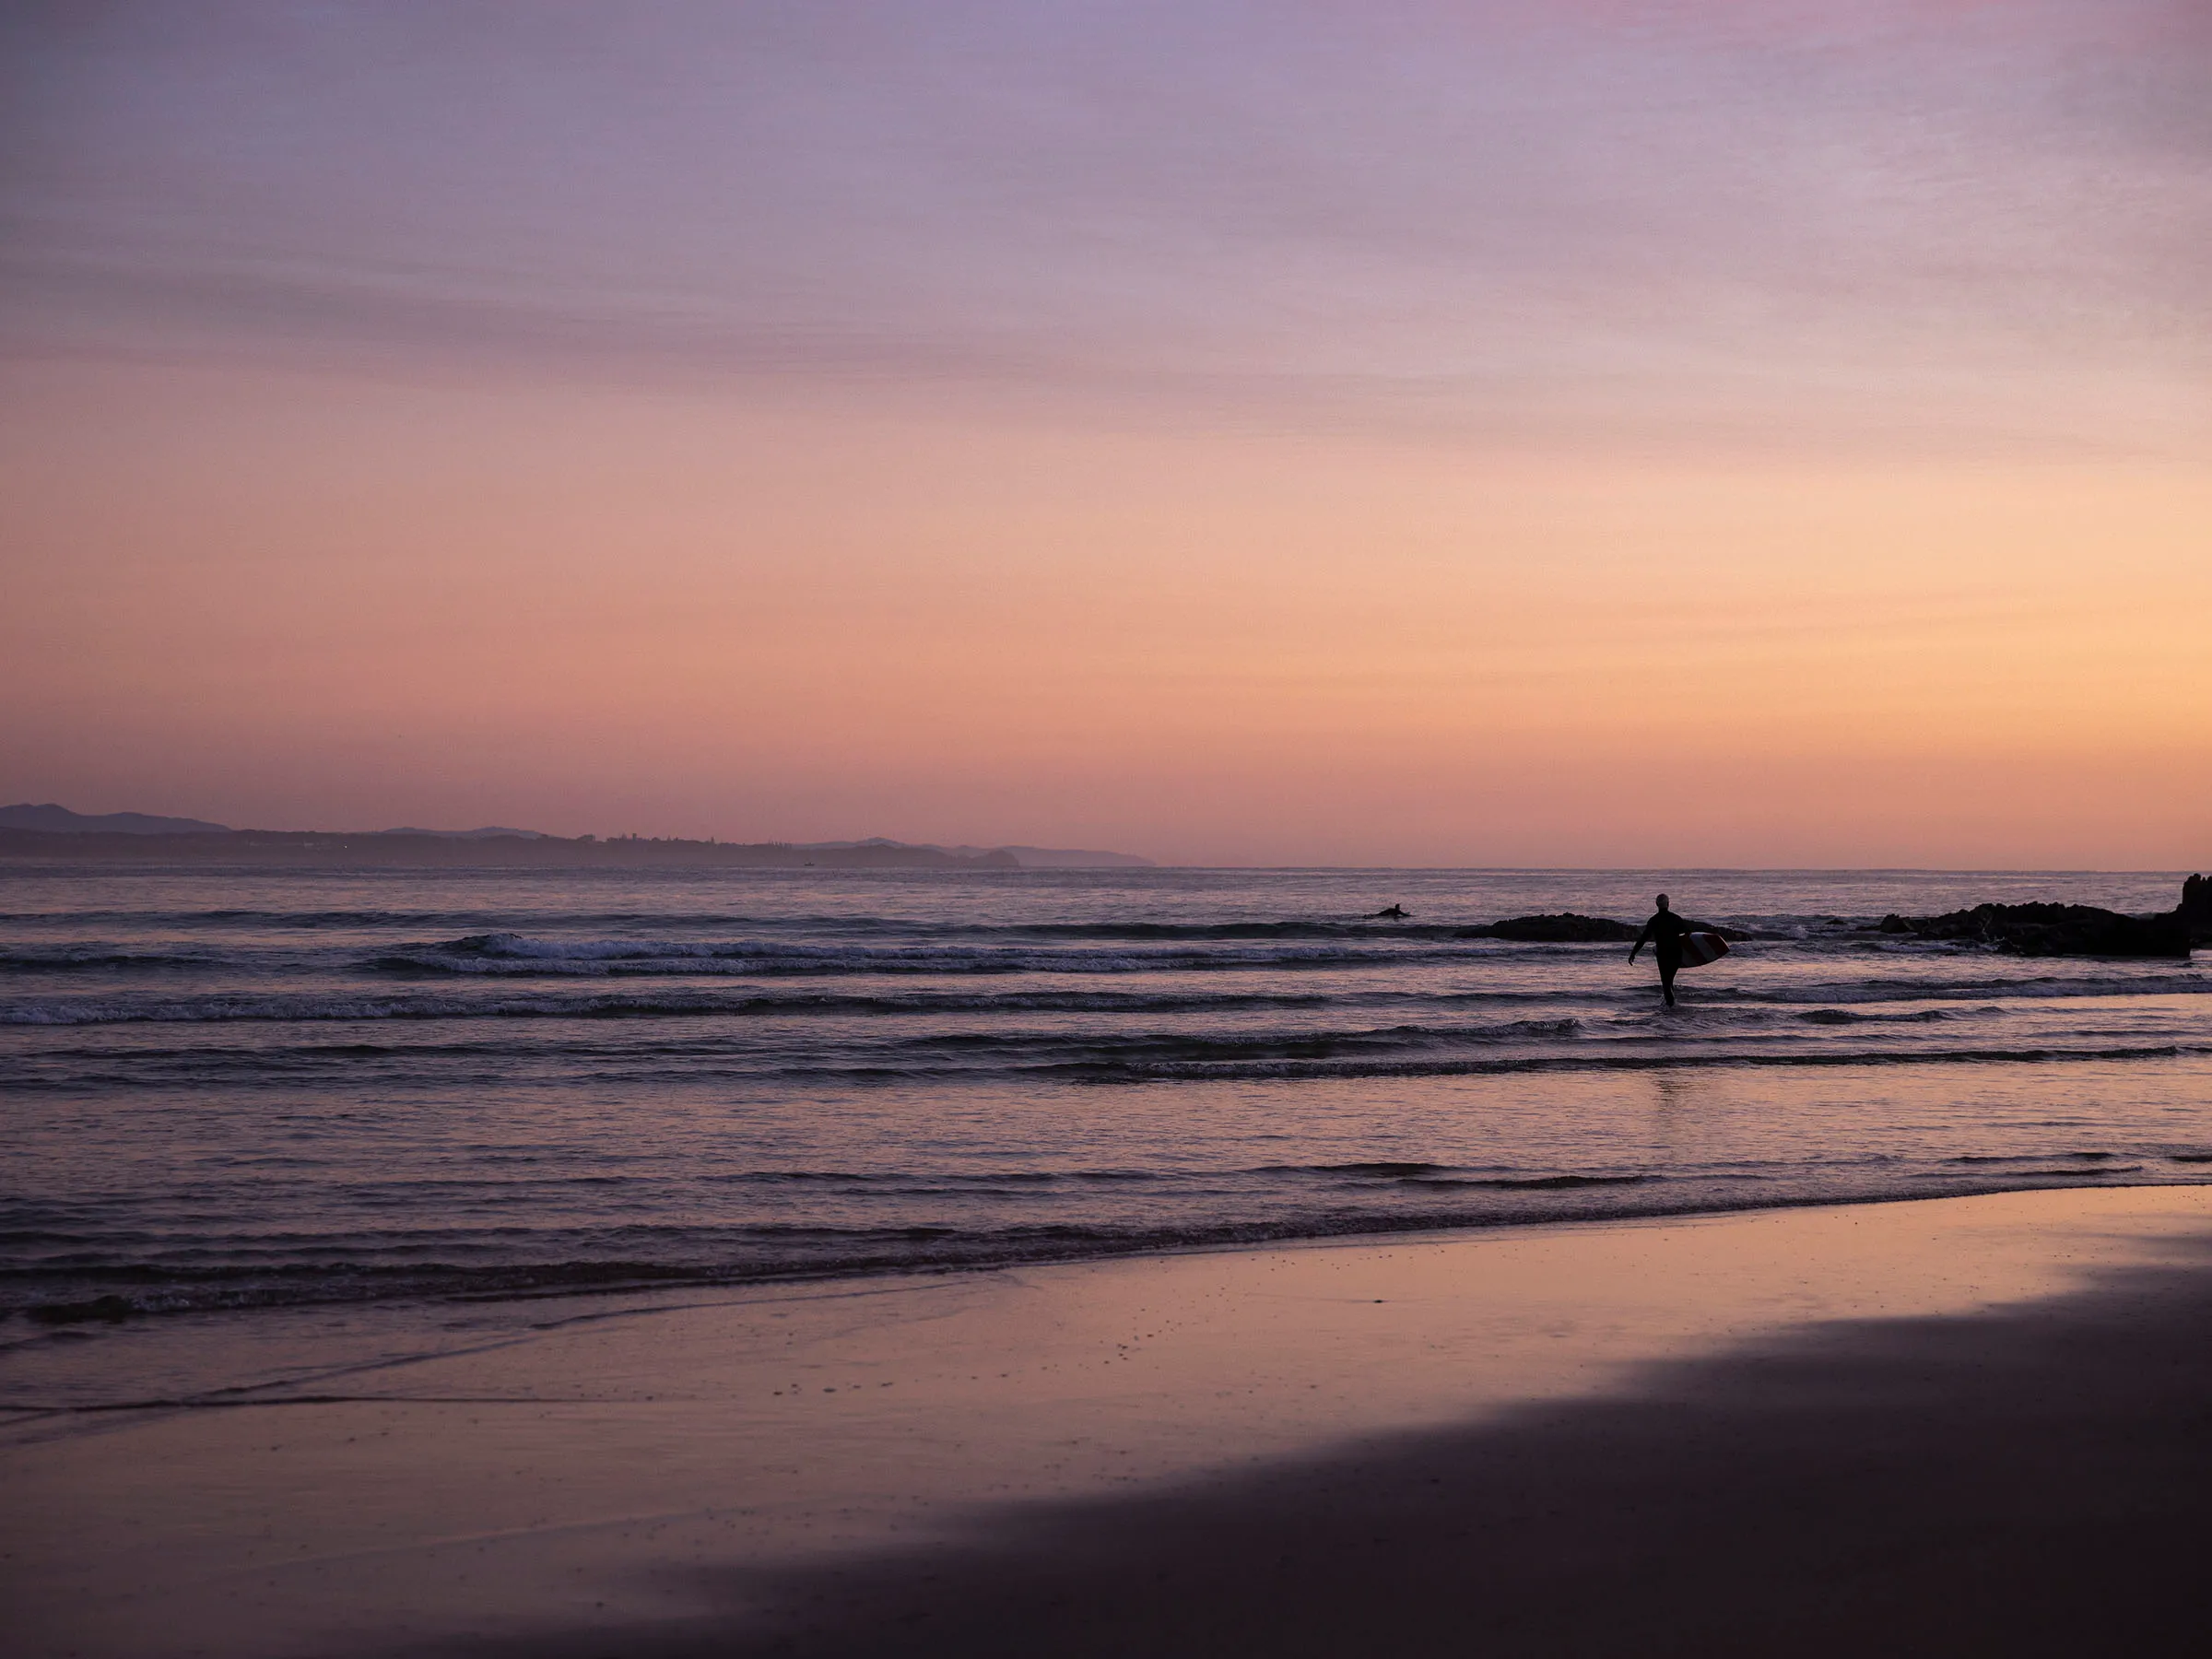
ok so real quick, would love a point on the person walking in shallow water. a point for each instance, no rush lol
(1664, 933)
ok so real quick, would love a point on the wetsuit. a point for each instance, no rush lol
(1664, 933)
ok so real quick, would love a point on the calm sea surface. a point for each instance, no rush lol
(240, 1093)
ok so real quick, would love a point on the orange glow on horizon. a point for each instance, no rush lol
(349, 605)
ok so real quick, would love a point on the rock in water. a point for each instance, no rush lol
(2060, 930)
(1567, 928)
(2195, 909)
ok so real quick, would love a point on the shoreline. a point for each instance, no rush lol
(100, 1310)
(686, 1469)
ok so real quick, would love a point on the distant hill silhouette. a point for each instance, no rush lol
(61, 820)
(52, 832)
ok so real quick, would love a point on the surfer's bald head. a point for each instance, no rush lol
(1662, 901)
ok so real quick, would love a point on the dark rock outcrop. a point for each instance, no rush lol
(2195, 910)
(1567, 928)
(2060, 930)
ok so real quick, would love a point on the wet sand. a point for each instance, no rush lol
(1963, 1425)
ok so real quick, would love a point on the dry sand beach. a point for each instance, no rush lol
(1969, 1424)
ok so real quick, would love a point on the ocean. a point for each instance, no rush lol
(231, 1094)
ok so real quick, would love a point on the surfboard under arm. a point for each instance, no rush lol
(1699, 948)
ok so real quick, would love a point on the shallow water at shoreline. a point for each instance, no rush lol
(590, 1474)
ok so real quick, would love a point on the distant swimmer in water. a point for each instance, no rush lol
(1664, 931)
(1397, 912)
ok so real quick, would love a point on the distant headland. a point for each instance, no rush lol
(49, 833)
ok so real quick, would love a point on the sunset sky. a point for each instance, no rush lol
(1509, 433)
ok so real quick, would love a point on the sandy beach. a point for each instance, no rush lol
(1922, 1427)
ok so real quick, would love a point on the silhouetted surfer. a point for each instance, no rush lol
(1664, 932)
(1397, 912)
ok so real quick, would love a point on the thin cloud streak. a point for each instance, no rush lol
(1634, 216)
(1641, 392)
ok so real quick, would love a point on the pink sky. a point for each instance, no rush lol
(1622, 433)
